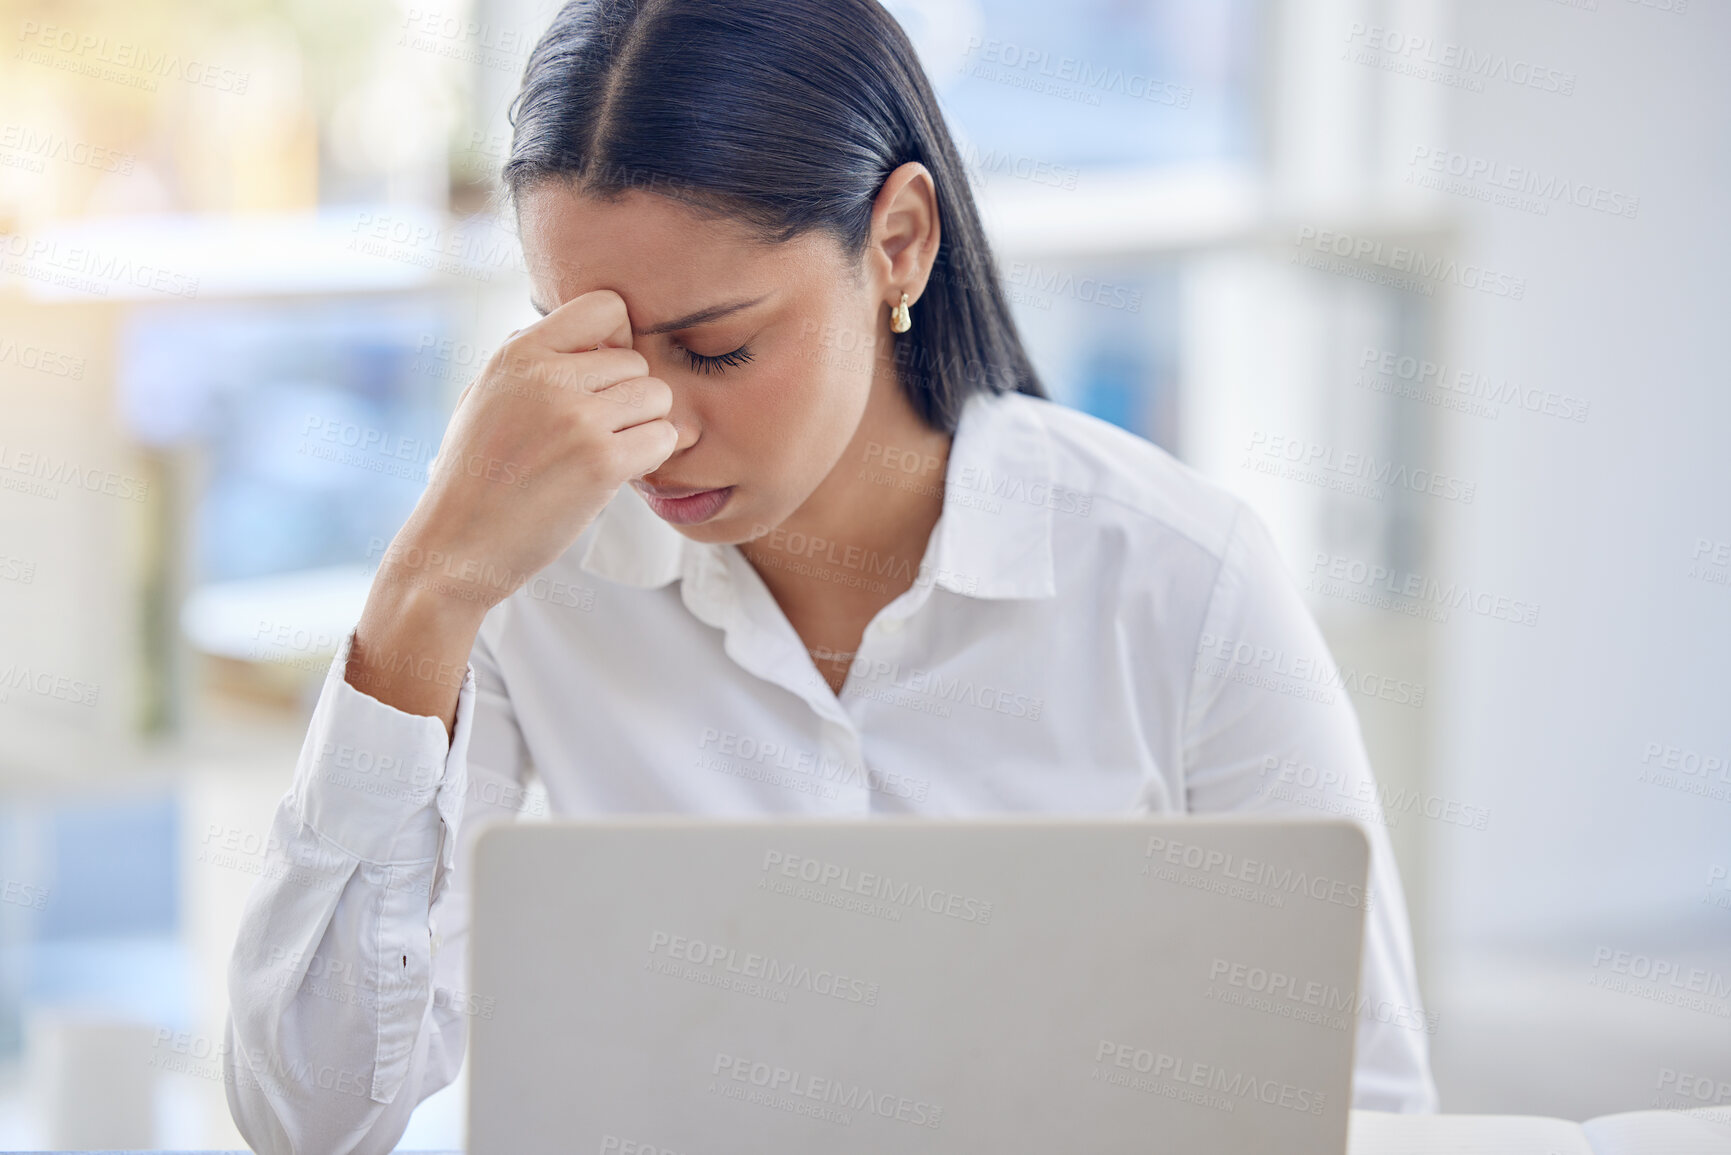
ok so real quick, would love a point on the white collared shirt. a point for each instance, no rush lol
(1095, 629)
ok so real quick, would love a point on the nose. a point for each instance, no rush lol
(683, 414)
(687, 428)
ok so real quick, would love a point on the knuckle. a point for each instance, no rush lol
(586, 424)
(560, 373)
(511, 360)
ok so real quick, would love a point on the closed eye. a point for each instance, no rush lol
(721, 363)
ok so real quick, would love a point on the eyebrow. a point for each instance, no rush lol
(701, 317)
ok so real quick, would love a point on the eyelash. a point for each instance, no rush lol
(702, 364)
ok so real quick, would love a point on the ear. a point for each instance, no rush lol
(904, 233)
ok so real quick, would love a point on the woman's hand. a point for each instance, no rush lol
(540, 441)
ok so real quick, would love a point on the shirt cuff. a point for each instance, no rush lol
(377, 782)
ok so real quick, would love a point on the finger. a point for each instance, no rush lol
(588, 372)
(637, 400)
(644, 447)
(595, 318)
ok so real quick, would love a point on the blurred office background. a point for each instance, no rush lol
(251, 253)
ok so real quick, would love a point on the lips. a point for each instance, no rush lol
(683, 504)
(670, 491)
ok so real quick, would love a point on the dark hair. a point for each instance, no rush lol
(787, 115)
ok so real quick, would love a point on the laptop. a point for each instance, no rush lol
(686, 986)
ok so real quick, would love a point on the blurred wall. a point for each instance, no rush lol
(1600, 519)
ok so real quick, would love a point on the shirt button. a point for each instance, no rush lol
(890, 626)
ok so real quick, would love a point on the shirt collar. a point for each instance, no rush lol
(993, 540)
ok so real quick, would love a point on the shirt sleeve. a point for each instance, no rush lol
(1270, 729)
(346, 1006)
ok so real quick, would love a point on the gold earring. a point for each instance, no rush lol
(900, 322)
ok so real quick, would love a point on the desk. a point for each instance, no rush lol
(1698, 1131)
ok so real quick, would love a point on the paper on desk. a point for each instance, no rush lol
(1698, 1132)
(1381, 1133)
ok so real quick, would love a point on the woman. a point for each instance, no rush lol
(860, 566)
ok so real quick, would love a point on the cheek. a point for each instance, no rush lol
(799, 407)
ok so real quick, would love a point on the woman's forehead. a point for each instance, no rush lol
(654, 248)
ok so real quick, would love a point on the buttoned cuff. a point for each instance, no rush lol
(377, 782)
